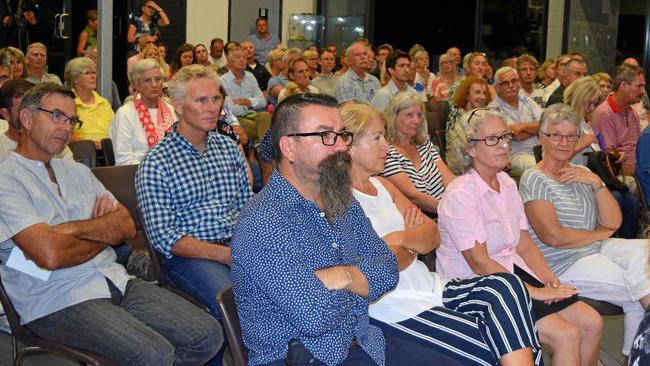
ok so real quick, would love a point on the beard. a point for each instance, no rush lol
(335, 184)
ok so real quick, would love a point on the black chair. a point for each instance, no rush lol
(84, 152)
(442, 108)
(603, 307)
(441, 137)
(31, 344)
(107, 150)
(230, 320)
(537, 151)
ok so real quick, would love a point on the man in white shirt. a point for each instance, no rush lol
(217, 56)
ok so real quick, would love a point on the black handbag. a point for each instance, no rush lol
(603, 163)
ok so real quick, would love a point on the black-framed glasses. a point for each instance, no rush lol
(557, 137)
(494, 140)
(60, 118)
(328, 138)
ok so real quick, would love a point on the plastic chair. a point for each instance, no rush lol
(84, 152)
(107, 150)
(32, 344)
(230, 320)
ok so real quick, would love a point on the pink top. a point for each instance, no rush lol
(469, 212)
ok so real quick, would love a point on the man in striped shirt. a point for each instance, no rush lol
(615, 121)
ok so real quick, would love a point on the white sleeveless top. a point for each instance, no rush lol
(418, 289)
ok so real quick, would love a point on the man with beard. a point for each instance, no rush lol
(57, 227)
(305, 259)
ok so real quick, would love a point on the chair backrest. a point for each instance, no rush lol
(441, 137)
(84, 152)
(17, 330)
(537, 151)
(120, 181)
(230, 320)
(433, 122)
(155, 256)
(107, 150)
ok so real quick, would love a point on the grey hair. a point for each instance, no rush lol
(398, 103)
(75, 67)
(459, 138)
(178, 84)
(36, 45)
(33, 97)
(503, 70)
(558, 113)
(140, 67)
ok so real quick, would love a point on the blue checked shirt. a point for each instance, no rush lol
(280, 240)
(181, 193)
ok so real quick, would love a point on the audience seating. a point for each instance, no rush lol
(441, 139)
(31, 344)
(439, 112)
(537, 151)
(230, 320)
(84, 152)
(107, 150)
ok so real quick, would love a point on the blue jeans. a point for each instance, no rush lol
(202, 279)
(629, 204)
(147, 325)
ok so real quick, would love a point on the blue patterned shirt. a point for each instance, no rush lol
(351, 87)
(183, 193)
(280, 240)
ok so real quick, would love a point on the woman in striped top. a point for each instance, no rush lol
(413, 164)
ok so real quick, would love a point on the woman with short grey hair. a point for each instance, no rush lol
(141, 122)
(94, 110)
(483, 230)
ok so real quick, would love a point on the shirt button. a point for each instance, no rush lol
(322, 214)
(334, 245)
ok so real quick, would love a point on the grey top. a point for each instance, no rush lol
(384, 94)
(575, 206)
(47, 78)
(527, 111)
(351, 87)
(29, 197)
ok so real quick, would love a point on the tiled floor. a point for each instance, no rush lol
(610, 352)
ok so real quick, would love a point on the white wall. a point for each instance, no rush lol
(555, 28)
(206, 19)
(209, 18)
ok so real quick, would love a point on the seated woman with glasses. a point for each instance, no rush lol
(483, 230)
(584, 96)
(145, 119)
(572, 217)
(96, 112)
(479, 321)
(413, 164)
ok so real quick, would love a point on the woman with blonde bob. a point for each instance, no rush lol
(413, 164)
(584, 96)
(484, 230)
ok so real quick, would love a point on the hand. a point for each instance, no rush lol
(154, 5)
(334, 278)
(628, 169)
(30, 17)
(413, 217)
(621, 158)
(590, 138)
(552, 294)
(576, 174)
(242, 101)
(104, 204)
(515, 128)
(552, 281)
(6, 20)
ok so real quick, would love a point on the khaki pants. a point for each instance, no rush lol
(257, 126)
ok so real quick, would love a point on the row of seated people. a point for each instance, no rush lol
(167, 160)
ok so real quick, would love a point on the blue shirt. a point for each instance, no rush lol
(280, 240)
(643, 162)
(247, 89)
(263, 46)
(183, 193)
(351, 87)
(29, 197)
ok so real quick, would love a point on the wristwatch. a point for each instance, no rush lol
(600, 187)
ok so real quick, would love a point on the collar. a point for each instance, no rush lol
(98, 100)
(356, 76)
(393, 88)
(482, 187)
(612, 103)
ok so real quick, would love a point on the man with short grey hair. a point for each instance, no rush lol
(36, 59)
(571, 71)
(356, 85)
(522, 115)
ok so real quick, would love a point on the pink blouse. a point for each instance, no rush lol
(471, 211)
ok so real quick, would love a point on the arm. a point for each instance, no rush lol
(275, 90)
(585, 140)
(249, 172)
(534, 259)
(404, 184)
(447, 175)
(258, 101)
(421, 235)
(191, 247)
(130, 34)
(347, 278)
(81, 45)
(164, 19)
(480, 262)
(523, 131)
(111, 228)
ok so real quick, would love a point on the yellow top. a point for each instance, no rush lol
(96, 117)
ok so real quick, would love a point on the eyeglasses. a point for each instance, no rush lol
(60, 118)
(152, 81)
(88, 72)
(494, 140)
(328, 138)
(509, 82)
(557, 137)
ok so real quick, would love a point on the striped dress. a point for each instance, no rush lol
(575, 206)
(427, 179)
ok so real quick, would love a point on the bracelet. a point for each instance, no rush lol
(412, 251)
(161, 10)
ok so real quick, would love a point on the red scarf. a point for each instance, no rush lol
(164, 122)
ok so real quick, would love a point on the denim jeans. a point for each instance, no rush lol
(202, 279)
(629, 204)
(147, 325)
